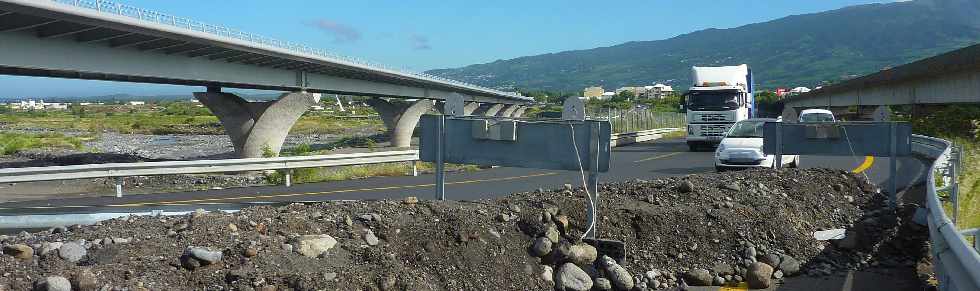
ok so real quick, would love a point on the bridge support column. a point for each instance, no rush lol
(488, 109)
(508, 111)
(882, 113)
(400, 118)
(470, 107)
(257, 128)
(519, 112)
(790, 115)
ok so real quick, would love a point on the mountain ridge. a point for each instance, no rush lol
(797, 50)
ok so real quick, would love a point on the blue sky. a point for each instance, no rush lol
(423, 35)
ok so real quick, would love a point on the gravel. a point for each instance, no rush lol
(461, 245)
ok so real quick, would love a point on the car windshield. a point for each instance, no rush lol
(817, 117)
(712, 100)
(746, 129)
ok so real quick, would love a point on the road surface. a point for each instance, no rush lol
(650, 160)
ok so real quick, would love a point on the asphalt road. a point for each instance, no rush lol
(639, 161)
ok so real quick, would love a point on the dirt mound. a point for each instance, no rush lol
(692, 228)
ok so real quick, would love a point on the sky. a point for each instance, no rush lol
(422, 35)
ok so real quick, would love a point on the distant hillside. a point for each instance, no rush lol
(800, 50)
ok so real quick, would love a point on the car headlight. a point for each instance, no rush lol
(721, 148)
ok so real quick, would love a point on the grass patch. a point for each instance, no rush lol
(969, 179)
(12, 143)
(165, 118)
(315, 175)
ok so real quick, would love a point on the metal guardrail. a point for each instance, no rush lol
(621, 139)
(121, 170)
(115, 8)
(955, 261)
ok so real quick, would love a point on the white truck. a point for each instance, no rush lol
(719, 97)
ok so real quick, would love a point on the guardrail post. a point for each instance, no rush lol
(119, 184)
(415, 168)
(289, 177)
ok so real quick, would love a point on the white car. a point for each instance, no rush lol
(817, 115)
(742, 148)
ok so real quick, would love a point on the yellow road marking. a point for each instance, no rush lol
(202, 201)
(868, 161)
(740, 287)
(658, 157)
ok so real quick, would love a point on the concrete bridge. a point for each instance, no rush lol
(102, 40)
(949, 78)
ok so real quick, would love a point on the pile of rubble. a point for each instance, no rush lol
(713, 229)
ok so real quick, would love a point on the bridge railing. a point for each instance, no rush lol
(116, 8)
(955, 261)
(121, 170)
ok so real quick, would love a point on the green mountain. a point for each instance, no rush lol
(799, 50)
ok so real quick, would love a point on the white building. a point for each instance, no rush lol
(137, 103)
(659, 91)
(32, 104)
(799, 90)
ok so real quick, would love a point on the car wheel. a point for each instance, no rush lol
(719, 169)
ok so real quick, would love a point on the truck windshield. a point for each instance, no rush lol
(712, 100)
(746, 129)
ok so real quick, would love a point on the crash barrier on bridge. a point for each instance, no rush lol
(621, 139)
(115, 8)
(636, 120)
(121, 170)
(956, 263)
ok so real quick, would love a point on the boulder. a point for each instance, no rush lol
(759, 276)
(19, 251)
(582, 254)
(621, 278)
(698, 277)
(53, 283)
(541, 247)
(789, 265)
(72, 252)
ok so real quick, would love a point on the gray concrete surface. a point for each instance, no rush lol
(255, 127)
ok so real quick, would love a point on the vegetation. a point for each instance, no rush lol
(165, 118)
(960, 124)
(799, 50)
(11, 143)
(314, 175)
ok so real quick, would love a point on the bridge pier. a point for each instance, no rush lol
(256, 127)
(470, 107)
(488, 109)
(790, 115)
(400, 118)
(519, 112)
(508, 110)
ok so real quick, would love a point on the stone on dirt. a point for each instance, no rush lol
(313, 246)
(582, 254)
(789, 265)
(53, 283)
(698, 277)
(541, 247)
(19, 251)
(759, 276)
(72, 252)
(685, 186)
(602, 284)
(572, 278)
(619, 276)
(84, 280)
(370, 238)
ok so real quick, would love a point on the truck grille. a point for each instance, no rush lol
(714, 129)
(711, 117)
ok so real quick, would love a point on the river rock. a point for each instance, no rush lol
(698, 277)
(619, 276)
(19, 251)
(541, 247)
(789, 265)
(84, 280)
(72, 252)
(552, 233)
(547, 274)
(759, 276)
(371, 239)
(685, 186)
(53, 283)
(571, 277)
(313, 246)
(48, 247)
(582, 254)
(602, 284)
